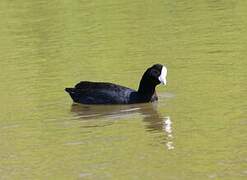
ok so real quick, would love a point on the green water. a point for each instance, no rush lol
(197, 130)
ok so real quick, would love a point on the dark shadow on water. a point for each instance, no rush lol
(153, 120)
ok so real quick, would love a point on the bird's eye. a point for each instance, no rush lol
(154, 73)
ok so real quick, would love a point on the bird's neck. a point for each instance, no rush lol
(146, 87)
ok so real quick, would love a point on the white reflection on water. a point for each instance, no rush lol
(154, 121)
(167, 127)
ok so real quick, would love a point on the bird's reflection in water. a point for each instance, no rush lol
(154, 122)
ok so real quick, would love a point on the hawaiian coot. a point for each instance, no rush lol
(107, 93)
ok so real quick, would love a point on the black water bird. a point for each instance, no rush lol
(87, 92)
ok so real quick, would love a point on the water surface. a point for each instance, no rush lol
(197, 130)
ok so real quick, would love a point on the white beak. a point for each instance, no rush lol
(163, 74)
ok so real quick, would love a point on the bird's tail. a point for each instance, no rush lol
(72, 92)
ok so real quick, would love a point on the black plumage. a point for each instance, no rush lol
(87, 92)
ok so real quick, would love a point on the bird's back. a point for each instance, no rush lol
(87, 92)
